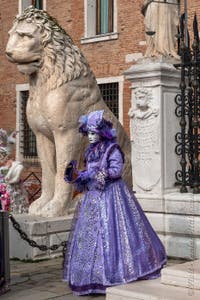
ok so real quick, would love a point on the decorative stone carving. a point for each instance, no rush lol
(13, 196)
(14, 173)
(161, 21)
(145, 138)
(175, 216)
(62, 88)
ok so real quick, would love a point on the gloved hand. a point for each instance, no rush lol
(86, 175)
(71, 172)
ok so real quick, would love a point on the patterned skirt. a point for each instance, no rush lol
(111, 242)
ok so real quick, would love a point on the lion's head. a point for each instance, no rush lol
(38, 45)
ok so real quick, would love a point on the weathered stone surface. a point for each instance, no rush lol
(62, 88)
(161, 21)
(185, 204)
(175, 224)
(179, 233)
(153, 127)
(184, 275)
(187, 247)
(55, 239)
(57, 224)
(174, 216)
(40, 280)
(151, 202)
(44, 231)
(151, 289)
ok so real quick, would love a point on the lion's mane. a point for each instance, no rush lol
(59, 52)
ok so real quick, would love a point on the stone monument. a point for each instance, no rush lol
(161, 23)
(145, 138)
(62, 88)
(153, 126)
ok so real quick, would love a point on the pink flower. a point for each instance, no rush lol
(4, 197)
(2, 188)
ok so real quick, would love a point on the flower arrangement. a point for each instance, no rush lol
(4, 197)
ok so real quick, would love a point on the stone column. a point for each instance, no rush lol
(153, 128)
(174, 216)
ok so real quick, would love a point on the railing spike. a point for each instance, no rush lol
(195, 28)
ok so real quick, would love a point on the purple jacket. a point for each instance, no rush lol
(104, 164)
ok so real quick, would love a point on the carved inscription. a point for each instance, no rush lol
(145, 140)
(145, 134)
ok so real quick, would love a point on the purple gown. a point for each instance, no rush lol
(111, 241)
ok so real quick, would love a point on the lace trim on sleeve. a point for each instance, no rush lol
(100, 177)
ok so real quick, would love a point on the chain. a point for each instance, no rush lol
(33, 243)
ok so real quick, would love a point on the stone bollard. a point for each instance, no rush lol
(4, 252)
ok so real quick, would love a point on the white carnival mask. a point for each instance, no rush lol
(93, 137)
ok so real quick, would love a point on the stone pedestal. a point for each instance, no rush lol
(45, 231)
(176, 282)
(153, 128)
(153, 125)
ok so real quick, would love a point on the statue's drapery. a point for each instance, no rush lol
(161, 18)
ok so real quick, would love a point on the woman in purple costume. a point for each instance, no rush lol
(111, 241)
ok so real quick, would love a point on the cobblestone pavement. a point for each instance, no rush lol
(43, 280)
(40, 281)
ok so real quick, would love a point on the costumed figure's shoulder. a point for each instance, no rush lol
(113, 148)
(95, 152)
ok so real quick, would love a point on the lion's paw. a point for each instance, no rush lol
(36, 207)
(53, 209)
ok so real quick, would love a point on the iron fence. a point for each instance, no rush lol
(188, 110)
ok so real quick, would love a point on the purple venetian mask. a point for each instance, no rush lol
(94, 122)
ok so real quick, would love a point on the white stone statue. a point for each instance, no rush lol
(13, 195)
(161, 19)
(62, 88)
(14, 173)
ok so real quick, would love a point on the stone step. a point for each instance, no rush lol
(183, 275)
(151, 290)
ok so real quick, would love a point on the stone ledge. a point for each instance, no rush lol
(172, 203)
(151, 290)
(151, 203)
(161, 70)
(100, 38)
(40, 225)
(179, 203)
(184, 275)
(175, 224)
(185, 247)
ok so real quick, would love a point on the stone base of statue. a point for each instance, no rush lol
(175, 216)
(180, 281)
(44, 231)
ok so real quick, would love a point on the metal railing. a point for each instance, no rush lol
(188, 110)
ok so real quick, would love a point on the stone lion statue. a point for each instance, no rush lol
(62, 88)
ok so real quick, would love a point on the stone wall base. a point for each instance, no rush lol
(176, 219)
(45, 231)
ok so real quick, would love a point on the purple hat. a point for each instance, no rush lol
(95, 122)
